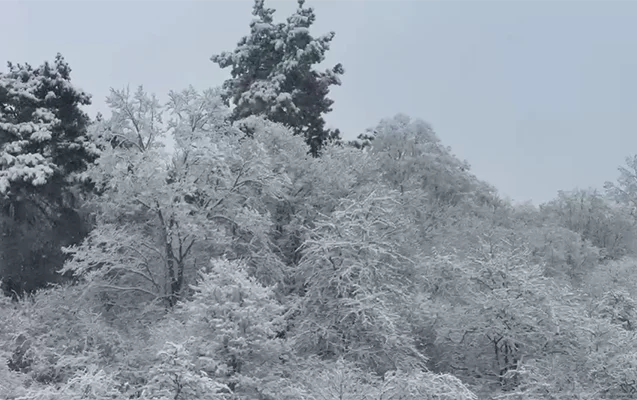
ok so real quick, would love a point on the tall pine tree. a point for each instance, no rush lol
(43, 150)
(273, 74)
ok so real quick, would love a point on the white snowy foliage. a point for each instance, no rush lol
(344, 381)
(16, 165)
(27, 145)
(89, 383)
(175, 377)
(161, 216)
(194, 111)
(225, 331)
(356, 275)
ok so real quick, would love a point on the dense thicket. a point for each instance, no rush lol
(243, 267)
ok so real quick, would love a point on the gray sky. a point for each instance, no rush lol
(538, 96)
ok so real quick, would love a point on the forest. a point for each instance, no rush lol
(225, 244)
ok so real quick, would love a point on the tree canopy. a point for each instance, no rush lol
(219, 245)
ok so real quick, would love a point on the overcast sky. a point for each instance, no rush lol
(538, 96)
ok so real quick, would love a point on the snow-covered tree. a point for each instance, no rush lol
(130, 176)
(354, 275)
(603, 221)
(224, 334)
(160, 216)
(43, 150)
(625, 189)
(341, 380)
(273, 74)
(43, 141)
(500, 313)
(175, 376)
(316, 188)
(55, 335)
(563, 253)
(435, 186)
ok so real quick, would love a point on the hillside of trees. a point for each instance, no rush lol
(262, 256)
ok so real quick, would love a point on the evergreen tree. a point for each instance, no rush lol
(273, 75)
(43, 151)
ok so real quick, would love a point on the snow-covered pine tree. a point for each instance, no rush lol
(43, 149)
(273, 75)
(43, 142)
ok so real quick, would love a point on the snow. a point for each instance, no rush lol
(297, 31)
(25, 148)
(31, 168)
(41, 136)
(261, 26)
